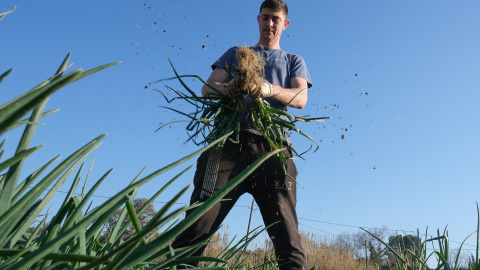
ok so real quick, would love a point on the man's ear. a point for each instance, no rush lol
(286, 23)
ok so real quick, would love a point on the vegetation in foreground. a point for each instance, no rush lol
(72, 238)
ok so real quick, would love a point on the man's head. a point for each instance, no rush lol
(272, 20)
(275, 5)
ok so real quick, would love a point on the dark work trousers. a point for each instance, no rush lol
(273, 191)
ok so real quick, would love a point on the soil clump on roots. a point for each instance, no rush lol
(250, 71)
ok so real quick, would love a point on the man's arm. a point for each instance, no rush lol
(298, 86)
(217, 78)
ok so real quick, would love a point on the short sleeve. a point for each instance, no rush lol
(226, 61)
(298, 68)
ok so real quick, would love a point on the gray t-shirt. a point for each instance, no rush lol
(280, 68)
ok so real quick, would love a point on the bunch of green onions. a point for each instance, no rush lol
(212, 119)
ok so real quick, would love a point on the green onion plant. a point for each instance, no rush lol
(216, 115)
(410, 257)
(72, 238)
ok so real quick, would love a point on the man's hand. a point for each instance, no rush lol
(266, 89)
(231, 88)
(263, 90)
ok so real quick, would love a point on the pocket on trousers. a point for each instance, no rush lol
(290, 165)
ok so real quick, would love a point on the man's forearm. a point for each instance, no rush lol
(294, 97)
(216, 80)
(209, 92)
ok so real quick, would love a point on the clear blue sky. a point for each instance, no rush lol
(410, 154)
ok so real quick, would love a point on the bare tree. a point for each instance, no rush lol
(463, 259)
(144, 218)
(345, 242)
(375, 248)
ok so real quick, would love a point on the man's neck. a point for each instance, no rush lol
(271, 45)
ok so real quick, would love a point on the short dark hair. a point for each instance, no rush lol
(275, 5)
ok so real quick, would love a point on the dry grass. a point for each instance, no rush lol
(327, 254)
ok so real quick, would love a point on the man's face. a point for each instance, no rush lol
(271, 24)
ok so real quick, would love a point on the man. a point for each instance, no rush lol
(286, 82)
